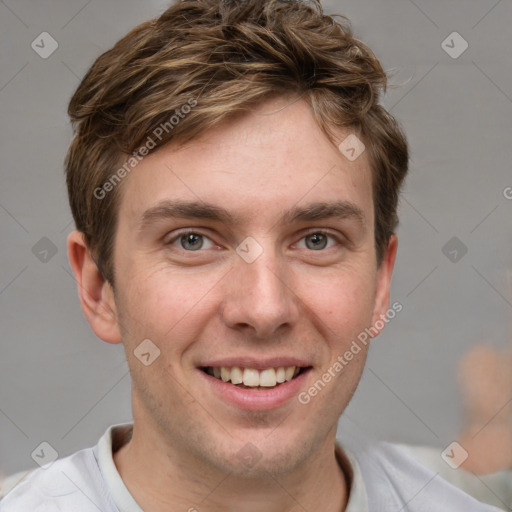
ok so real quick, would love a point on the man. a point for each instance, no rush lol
(234, 184)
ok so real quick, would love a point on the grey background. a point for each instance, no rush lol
(62, 385)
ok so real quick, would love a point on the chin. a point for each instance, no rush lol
(261, 456)
(251, 463)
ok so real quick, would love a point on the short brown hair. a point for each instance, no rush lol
(223, 57)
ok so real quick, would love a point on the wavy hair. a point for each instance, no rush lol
(225, 55)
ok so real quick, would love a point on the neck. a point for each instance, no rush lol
(160, 479)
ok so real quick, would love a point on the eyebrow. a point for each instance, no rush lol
(201, 210)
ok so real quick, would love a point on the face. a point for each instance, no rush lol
(250, 248)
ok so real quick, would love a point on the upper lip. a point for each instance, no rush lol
(256, 363)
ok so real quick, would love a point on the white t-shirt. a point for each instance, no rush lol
(386, 478)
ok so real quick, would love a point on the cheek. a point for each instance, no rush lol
(342, 302)
(169, 305)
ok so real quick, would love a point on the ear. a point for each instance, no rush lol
(95, 293)
(383, 285)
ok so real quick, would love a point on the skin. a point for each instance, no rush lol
(486, 379)
(198, 305)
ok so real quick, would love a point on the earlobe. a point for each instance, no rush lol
(384, 274)
(95, 293)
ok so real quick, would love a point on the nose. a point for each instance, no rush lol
(260, 301)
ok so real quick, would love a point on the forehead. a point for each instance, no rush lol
(271, 159)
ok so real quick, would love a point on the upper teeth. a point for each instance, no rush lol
(254, 378)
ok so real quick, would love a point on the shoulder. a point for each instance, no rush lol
(494, 488)
(12, 480)
(394, 478)
(71, 483)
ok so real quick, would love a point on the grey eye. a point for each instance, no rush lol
(316, 241)
(191, 241)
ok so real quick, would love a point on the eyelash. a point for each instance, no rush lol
(178, 236)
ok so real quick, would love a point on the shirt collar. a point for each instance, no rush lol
(113, 438)
(357, 498)
(118, 435)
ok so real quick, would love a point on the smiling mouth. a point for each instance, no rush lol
(251, 378)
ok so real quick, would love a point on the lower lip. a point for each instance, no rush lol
(256, 400)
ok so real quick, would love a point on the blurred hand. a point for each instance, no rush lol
(485, 377)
